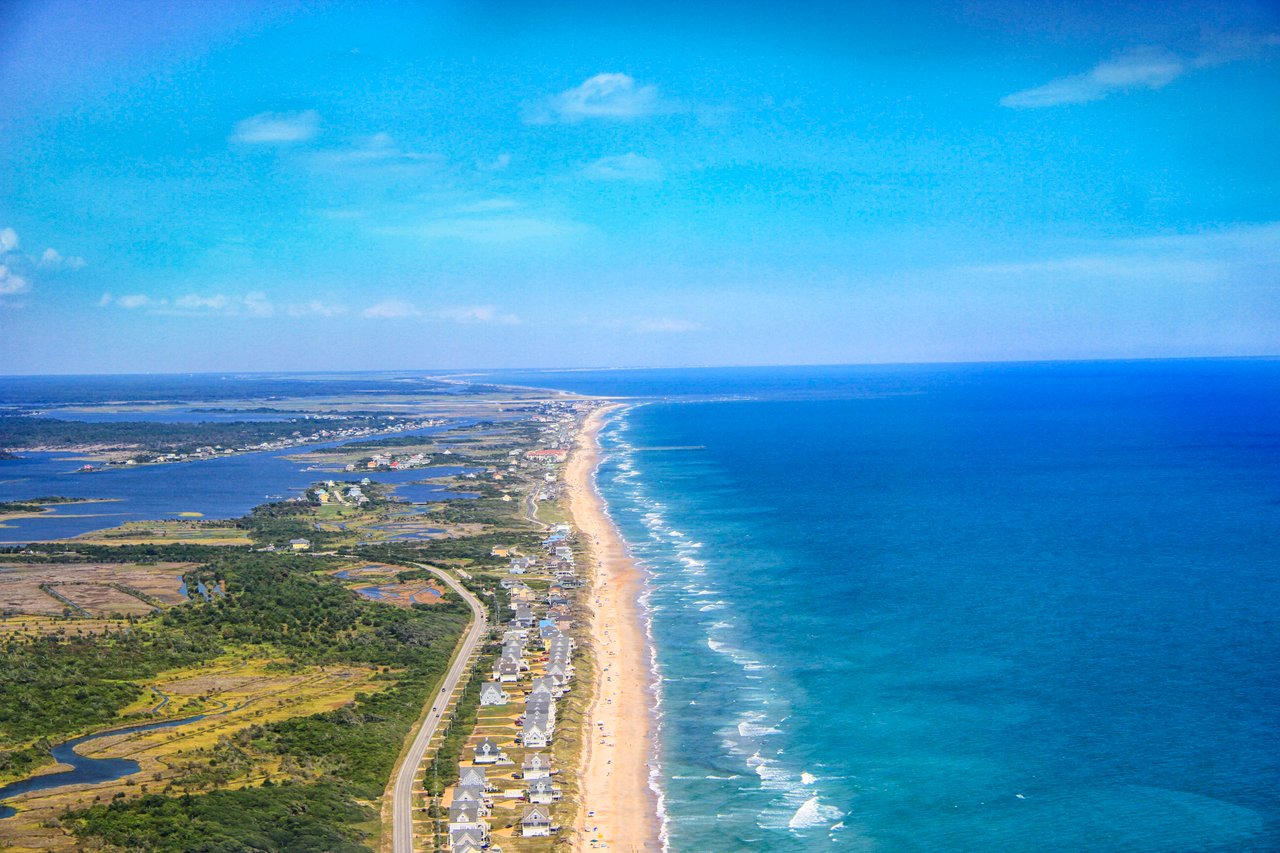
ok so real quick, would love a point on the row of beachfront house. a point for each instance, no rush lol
(535, 638)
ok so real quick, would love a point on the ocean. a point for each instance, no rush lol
(1030, 607)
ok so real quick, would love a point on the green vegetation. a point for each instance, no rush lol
(34, 504)
(56, 686)
(296, 818)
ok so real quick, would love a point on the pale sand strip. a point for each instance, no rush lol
(618, 806)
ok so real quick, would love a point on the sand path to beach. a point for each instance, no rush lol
(619, 811)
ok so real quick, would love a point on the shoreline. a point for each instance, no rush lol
(620, 806)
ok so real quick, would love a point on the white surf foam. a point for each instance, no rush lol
(814, 813)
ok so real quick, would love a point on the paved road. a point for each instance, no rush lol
(402, 797)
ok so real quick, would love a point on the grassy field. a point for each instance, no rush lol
(91, 590)
(237, 690)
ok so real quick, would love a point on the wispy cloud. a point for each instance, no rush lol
(255, 304)
(624, 167)
(379, 150)
(1141, 68)
(54, 260)
(479, 314)
(315, 308)
(18, 269)
(1146, 67)
(12, 284)
(277, 128)
(131, 301)
(604, 96)
(389, 310)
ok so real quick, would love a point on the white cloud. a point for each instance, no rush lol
(277, 127)
(1139, 68)
(390, 309)
(18, 269)
(1142, 68)
(133, 301)
(12, 284)
(197, 303)
(604, 96)
(315, 308)
(257, 304)
(373, 151)
(497, 164)
(479, 314)
(625, 167)
(52, 259)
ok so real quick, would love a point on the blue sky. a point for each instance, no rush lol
(325, 185)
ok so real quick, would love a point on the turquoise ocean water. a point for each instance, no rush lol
(979, 608)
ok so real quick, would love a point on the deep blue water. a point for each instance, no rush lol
(227, 487)
(970, 608)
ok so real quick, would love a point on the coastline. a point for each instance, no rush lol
(619, 808)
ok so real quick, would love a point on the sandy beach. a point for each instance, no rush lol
(619, 810)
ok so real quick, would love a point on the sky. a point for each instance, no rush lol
(359, 186)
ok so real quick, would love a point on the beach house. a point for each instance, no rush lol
(473, 777)
(536, 766)
(535, 734)
(471, 796)
(466, 816)
(508, 671)
(465, 840)
(491, 693)
(536, 821)
(542, 791)
(487, 752)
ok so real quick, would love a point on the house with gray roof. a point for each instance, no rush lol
(535, 734)
(487, 751)
(467, 816)
(536, 821)
(469, 795)
(536, 766)
(473, 777)
(491, 693)
(507, 672)
(465, 840)
(542, 791)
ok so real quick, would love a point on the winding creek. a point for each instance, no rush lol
(84, 770)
